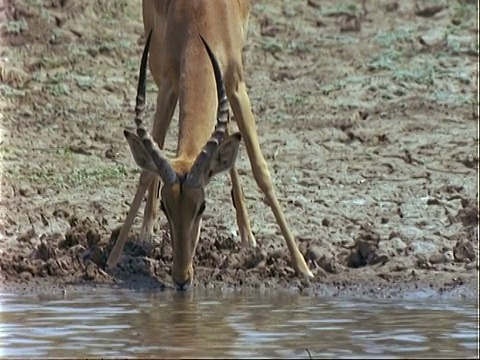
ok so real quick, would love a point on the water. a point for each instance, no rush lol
(117, 323)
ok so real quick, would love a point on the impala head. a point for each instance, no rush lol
(183, 191)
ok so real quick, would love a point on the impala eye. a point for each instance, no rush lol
(202, 209)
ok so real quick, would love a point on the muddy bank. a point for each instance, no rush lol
(77, 259)
(366, 116)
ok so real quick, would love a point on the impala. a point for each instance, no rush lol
(184, 37)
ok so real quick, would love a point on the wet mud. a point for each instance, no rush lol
(365, 115)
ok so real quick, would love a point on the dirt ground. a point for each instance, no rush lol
(367, 115)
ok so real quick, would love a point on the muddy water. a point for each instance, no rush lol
(236, 325)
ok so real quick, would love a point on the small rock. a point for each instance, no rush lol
(464, 251)
(95, 255)
(326, 222)
(365, 251)
(437, 259)
(44, 252)
(110, 154)
(330, 264)
(93, 238)
(23, 192)
(27, 236)
(423, 263)
(471, 266)
(449, 257)
(455, 42)
(395, 244)
(323, 258)
(8, 192)
(90, 271)
(72, 238)
(421, 248)
(26, 275)
(391, 7)
(314, 253)
(430, 11)
(256, 259)
(433, 37)
(61, 213)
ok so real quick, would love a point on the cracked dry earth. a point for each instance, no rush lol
(366, 116)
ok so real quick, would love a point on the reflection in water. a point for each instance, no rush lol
(118, 323)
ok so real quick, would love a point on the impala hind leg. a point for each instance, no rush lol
(238, 199)
(240, 103)
(243, 221)
(166, 102)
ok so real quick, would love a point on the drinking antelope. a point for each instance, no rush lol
(181, 61)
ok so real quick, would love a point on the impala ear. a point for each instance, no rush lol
(140, 155)
(224, 157)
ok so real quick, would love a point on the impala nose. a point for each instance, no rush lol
(183, 286)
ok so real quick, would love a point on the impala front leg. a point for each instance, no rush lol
(246, 123)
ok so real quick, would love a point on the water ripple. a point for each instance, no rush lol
(119, 324)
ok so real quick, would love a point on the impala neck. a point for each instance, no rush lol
(197, 102)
